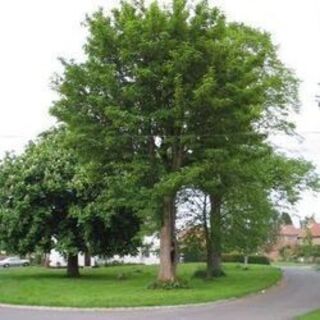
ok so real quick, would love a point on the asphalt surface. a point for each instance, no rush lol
(297, 294)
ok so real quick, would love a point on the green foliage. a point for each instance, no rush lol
(309, 252)
(166, 94)
(193, 253)
(286, 219)
(287, 253)
(238, 258)
(169, 285)
(201, 274)
(193, 250)
(204, 275)
(47, 201)
(253, 200)
(192, 245)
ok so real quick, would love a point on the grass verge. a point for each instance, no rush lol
(103, 287)
(315, 315)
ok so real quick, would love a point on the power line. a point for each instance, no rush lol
(244, 133)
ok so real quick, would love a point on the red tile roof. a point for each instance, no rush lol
(314, 230)
(289, 230)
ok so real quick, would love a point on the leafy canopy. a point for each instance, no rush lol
(47, 201)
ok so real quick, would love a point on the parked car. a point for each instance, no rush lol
(14, 262)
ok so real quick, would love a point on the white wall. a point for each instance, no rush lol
(57, 260)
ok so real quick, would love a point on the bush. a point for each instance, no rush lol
(196, 256)
(192, 245)
(116, 263)
(202, 274)
(122, 276)
(316, 251)
(169, 285)
(259, 260)
(239, 258)
(193, 256)
(309, 253)
(193, 253)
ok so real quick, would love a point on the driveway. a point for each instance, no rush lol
(298, 293)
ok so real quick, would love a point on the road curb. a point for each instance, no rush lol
(119, 309)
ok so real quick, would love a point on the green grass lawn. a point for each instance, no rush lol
(311, 316)
(102, 288)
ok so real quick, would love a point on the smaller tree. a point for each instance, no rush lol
(251, 223)
(47, 201)
(193, 215)
(286, 219)
(192, 244)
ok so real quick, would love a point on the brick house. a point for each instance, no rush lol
(313, 230)
(290, 236)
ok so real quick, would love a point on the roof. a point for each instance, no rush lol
(289, 230)
(314, 229)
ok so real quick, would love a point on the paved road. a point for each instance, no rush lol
(297, 294)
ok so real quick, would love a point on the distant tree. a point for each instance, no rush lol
(250, 222)
(47, 201)
(194, 230)
(307, 221)
(286, 219)
(252, 193)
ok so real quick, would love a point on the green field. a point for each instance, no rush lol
(126, 286)
(315, 315)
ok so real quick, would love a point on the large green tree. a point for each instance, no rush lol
(47, 201)
(161, 95)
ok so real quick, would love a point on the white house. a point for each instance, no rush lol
(56, 260)
(148, 254)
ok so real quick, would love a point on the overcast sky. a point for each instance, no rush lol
(34, 33)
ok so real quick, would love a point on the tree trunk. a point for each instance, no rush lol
(209, 252)
(246, 261)
(215, 231)
(87, 259)
(209, 255)
(46, 260)
(168, 244)
(72, 266)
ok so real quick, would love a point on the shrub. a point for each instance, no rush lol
(239, 258)
(193, 253)
(259, 260)
(193, 256)
(169, 285)
(196, 256)
(202, 274)
(192, 245)
(308, 252)
(122, 276)
(120, 263)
